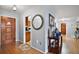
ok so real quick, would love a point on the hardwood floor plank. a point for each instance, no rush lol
(13, 49)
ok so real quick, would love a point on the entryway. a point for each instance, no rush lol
(28, 31)
(7, 32)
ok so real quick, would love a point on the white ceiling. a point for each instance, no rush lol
(20, 9)
(60, 10)
(67, 11)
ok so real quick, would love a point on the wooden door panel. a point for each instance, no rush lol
(0, 32)
(8, 30)
(8, 21)
(63, 28)
(27, 36)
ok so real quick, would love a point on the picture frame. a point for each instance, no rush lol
(51, 20)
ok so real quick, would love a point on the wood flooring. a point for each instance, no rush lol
(70, 46)
(13, 49)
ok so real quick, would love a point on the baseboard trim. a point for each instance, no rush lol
(39, 50)
(19, 41)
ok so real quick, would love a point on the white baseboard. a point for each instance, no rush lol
(46, 51)
(19, 41)
(39, 50)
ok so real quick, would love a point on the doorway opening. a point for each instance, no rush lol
(28, 30)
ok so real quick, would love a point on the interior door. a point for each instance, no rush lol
(28, 33)
(7, 31)
(0, 32)
(63, 28)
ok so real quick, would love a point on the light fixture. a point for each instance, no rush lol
(14, 7)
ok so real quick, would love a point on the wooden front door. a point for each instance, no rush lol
(7, 31)
(63, 28)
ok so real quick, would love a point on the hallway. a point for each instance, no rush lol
(70, 46)
(49, 17)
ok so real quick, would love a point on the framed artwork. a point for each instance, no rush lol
(51, 20)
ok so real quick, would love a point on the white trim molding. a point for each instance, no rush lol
(39, 50)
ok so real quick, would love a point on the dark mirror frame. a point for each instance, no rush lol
(41, 20)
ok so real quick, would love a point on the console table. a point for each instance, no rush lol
(55, 46)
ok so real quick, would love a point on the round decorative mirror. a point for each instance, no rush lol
(37, 22)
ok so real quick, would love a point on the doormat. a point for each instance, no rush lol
(24, 47)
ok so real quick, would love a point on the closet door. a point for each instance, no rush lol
(3, 35)
(0, 32)
(8, 31)
(13, 27)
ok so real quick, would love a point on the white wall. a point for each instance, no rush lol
(14, 15)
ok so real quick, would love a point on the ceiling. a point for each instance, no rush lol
(60, 10)
(67, 11)
(20, 8)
